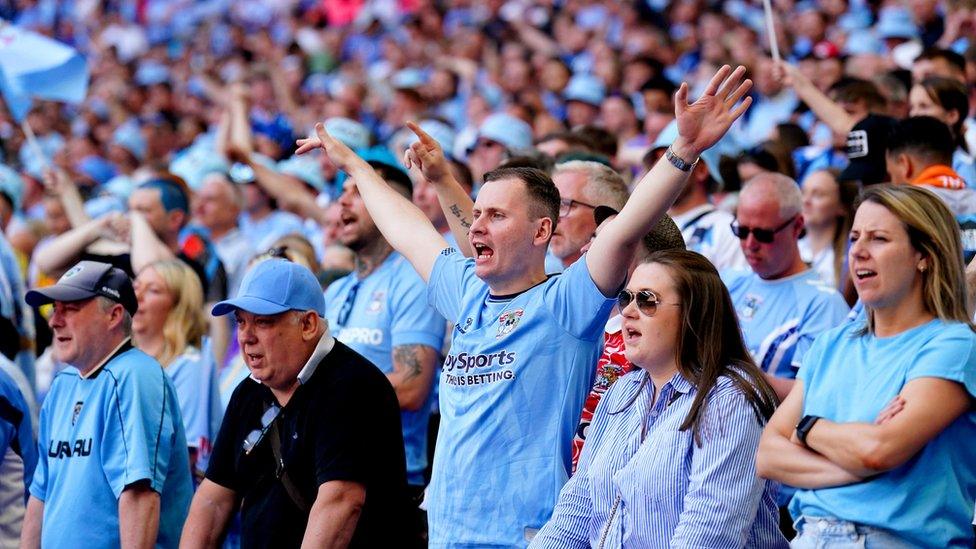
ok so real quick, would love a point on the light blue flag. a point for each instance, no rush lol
(34, 66)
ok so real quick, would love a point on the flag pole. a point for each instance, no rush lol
(32, 142)
(771, 30)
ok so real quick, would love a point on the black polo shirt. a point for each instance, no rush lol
(343, 423)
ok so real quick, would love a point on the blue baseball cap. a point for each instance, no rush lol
(585, 88)
(305, 168)
(348, 131)
(504, 128)
(273, 287)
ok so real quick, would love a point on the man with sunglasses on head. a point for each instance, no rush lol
(524, 343)
(310, 450)
(781, 302)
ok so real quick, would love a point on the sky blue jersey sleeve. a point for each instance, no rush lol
(950, 355)
(413, 321)
(451, 278)
(576, 302)
(139, 435)
(822, 315)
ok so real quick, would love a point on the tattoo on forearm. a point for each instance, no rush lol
(456, 210)
(406, 358)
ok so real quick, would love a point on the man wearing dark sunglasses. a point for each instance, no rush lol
(310, 449)
(782, 304)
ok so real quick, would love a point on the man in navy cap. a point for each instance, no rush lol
(113, 467)
(310, 442)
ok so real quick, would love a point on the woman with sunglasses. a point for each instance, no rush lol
(878, 430)
(169, 325)
(669, 457)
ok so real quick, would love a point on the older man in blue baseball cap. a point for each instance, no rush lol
(311, 441)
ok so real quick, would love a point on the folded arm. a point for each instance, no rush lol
(700, 125)
(781, 459)
(930, 405)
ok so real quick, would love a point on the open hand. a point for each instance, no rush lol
(702, 123)
(427, 156)
(340, 155)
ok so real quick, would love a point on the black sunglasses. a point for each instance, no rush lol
(254, 438)
(647, 301)
(762, 235)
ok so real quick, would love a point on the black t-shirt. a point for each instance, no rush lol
(342, 424)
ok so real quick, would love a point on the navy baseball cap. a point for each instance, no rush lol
(275, 286)
(85, 280)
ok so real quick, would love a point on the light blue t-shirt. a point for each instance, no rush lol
(780, 318)
(511, 392)
(194, 376)
(98, 435)
(388, 309)
(928, 500)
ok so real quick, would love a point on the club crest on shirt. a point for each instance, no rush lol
(508, 321)
(76, 412)
(750, 306)
(375, 304)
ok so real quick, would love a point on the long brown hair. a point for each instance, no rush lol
(709, 340)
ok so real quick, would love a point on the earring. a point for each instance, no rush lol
(922, 267)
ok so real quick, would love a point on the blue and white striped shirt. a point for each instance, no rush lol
(664, 491)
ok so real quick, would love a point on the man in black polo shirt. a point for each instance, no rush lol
(310, 447)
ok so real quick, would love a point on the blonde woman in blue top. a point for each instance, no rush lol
(170, 327)
(878, 431)
(669, 458)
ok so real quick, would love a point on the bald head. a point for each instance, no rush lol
(218, 204)
(775, 187)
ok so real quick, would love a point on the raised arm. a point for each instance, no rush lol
(403, 225)
(825, 108)
(426, 159)
(700, 125)
(146, 246)
(65, 249)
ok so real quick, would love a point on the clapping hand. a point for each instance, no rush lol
(702, 123)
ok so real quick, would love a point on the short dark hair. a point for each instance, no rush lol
(951, 95)
(852, 90)
(604, 142)
(393, 175)
(925, 137)
(659, 83)
(932, 53)
(542, 192)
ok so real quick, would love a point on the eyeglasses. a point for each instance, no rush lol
(566, 206)
(256, 436)
(647, 301)
(762, 235)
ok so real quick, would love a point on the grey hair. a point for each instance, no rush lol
(604, 186)
(106, 304)
(784, 189)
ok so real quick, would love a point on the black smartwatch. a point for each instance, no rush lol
(803, 427)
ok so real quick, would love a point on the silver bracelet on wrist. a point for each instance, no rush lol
(679, 162)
